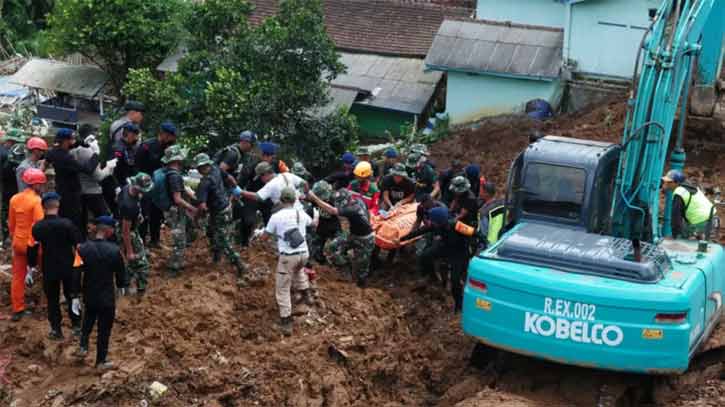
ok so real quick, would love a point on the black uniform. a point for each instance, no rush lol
(58, 238)
(68, 184)
(148, 160)
(445, 182)
(126, 167)
(340, 179)
(8, 188)
(102, 262)
(450, 245)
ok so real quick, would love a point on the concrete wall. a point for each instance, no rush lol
(604, 35)
(471, 97)
(550, 13)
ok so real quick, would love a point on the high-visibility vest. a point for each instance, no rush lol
(698, 208)
(495, 223)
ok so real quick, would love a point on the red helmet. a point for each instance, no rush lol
(33, 176)
(37, 143)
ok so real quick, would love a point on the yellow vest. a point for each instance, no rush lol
(495, 223)
(698, 208)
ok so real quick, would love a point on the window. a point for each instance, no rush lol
(554, 190)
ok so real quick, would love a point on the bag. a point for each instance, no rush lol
(160, 192)
(293, 236)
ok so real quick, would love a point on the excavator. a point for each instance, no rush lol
(587, 273)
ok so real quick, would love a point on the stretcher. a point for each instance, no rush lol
(391, 226)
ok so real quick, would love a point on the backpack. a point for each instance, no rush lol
(159, 194)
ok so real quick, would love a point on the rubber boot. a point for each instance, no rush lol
(285, 326)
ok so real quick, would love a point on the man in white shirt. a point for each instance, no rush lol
(274, 183)
(289, 226)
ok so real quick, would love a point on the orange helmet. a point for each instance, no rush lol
(33, 176)
(37, 143)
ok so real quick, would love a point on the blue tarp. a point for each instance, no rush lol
(8, 89)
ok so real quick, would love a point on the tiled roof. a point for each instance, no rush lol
(401, 28)
(478, 46)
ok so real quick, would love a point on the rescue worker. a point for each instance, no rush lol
(269, 154)
(492, 216)
(328, 226)
(58, 238)
(422, 219)
(67, 171)
(363, 154)
(464, 205)
(364, 188)
(360, 239)
(343, 177)
(299, 170)
(384, 166)
(134, 115)
(10, 158)
(36, 148)
(289, 226)
(124, 150)
(24, 212)
(273, 185)
(397, 188)
(425, 176)
(129, 210)
(456, 169)
(91, 192)
(473, 173)
(692, 211)
(181, 210)
(451, 245)
(214, 199)
(102, 262)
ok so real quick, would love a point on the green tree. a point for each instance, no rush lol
(270, 78)
(117, 35)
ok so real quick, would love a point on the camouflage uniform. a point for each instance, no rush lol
(220, 228)
(338, 253)
(177, 221)
(138, 268)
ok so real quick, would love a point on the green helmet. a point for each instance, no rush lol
(141, 181)
(288, 195)
(16, 135)
(341, 197)
(201, 160)
(17, 153)
(412, 160)
(421, 149)
(263, 168)
(173, 153)
(399, 170)
(299, 169)
(460, 184)
(323, 190)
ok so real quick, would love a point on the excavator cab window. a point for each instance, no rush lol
(554, 190)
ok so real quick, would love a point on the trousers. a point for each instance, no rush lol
(104, 316)
(218, 231)
(456, 259)
(290, 275)
(177, 221)
(153, 217)
(52, 293)
(17, 284)
(96, 205)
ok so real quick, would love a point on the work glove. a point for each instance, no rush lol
(75, 306)
(29, 276)
(257, 234)
(112, 164)
(237, 192)
(93, 144)
(117, 190)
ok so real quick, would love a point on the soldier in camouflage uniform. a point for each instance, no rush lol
(132, 247)
(360, 240)
(214, 198)
(328, 226)
(181, 211)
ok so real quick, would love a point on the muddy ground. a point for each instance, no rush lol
(396, 343)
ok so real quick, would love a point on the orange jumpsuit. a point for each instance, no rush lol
(24, 211)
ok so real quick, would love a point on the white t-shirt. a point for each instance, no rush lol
(273, 189)
(284, 220)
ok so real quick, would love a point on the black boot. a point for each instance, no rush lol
(216, 257)
(285, 326)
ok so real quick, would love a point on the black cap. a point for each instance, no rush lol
(134, 105)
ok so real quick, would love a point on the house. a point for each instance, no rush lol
(382, 44)
(496, 67)
(597, 45)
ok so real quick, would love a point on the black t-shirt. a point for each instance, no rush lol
(469, 202)
(58, 238)
(397, 191)
(102, 262)
(211, 190)
(357, 214)
(129, 207)
(421, 212)
(175, 183)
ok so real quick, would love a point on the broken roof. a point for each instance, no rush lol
(399, 84)
(376, 26)
(489, 47)
(79, 80)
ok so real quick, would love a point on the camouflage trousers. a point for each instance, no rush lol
(178, 223)
(338, 253)
(219, 230)
(138, 268)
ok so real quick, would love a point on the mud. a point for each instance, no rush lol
(396, 343)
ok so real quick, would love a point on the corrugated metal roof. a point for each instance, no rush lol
(339, 97)
(479, 46)
(399, 84)
(78, 80)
